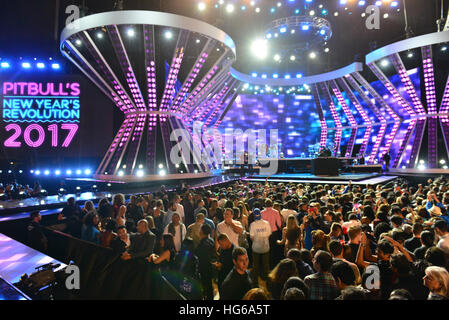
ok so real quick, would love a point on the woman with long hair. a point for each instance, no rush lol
(320, 241)
(285, 269)
(291, 235)
(167, 253)
(336, 232)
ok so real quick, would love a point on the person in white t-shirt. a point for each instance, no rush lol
(179, 208)
(260, 232)
(177, 230)
(231, 227)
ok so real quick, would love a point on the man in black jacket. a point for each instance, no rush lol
(238, 282)
(36, 237)
(205, 253)
(142, 242)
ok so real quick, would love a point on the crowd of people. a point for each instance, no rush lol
(283, 241)
(15, 190)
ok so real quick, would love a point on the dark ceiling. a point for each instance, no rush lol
(30, 28)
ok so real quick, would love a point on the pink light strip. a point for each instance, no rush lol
(189, 81)
(316, 96)
(409, 87)
(171, 80)
(335, 116)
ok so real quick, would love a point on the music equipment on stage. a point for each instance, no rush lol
(39, 285)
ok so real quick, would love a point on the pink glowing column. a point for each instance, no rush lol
(191, 78)
(171, 80)
(316, 97)
(402, 103)
(411, 91)
(335, 116)
(361, 111)
(188, 103)
(383, 122)
(444, 119)
(431, 99)
(380, 100)
(348, 113)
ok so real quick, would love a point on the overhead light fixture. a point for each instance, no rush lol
(201, 6)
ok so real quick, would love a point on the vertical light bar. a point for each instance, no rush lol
(431, 99)
(338, 125)
(125, 64)
(444, 116)
(120, 96)
(362, 112)
(380, 100)
(348, 114)
(316, 97)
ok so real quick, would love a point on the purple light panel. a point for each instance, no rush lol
(316, 97)
(171, 80)
(431, 99)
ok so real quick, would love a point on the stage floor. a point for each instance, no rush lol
(17, 259)
(27, 205)
(360, 178)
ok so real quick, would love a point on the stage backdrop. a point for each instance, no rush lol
(53, 119)
(296, 118)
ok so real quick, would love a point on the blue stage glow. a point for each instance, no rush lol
(55, 66)
(272, 10)
(305, 27)
(254, 75)
(275, 75)
(40, 65)
(26, 65)
(5, 65)
(87, 172)
(362, 2)
(283, 30)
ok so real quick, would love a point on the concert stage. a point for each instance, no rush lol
(356, 179)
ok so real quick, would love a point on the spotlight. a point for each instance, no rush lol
(162, 172)
(57, 172)
(139, 173)
(198, 40)
(336, 14)
(68, 172)
(362, 2)
(46, 172)
(299, 75)
(442, 161)
(312, 55)
(94, 187)
(259, 48)
(384, 63)
(230, 8)
(78, 172)
(444, 48)
(283, 30)
(21, 171)
(257, 10)
(5, 65)
(176, 166)
(386, 15)
(87, 172)
(378, 3)
(131, 32)
(305, 27)
(394, 4)
(55, 66)
(292, 58)
(277, 57)
(322, 32)
(201, 6)
(421, 161)
(410, 55)
(275, 76)
(312, 12)
(421, 167)
(326, 50)
(243, 8)
(140, 166)
(26, 65)
(168, 35)
(37, 172)
(62, 191)
(121, 173)
(78, 42)
(445, 167)
(342, 2)
(287, 76)
(78, 189)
